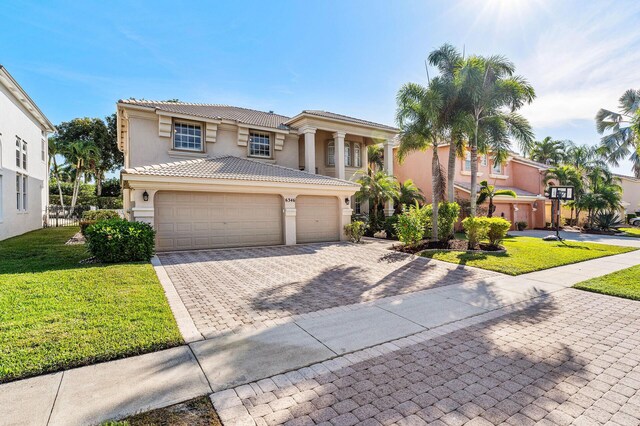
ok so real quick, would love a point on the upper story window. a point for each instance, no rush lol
(357, 156)
(21, 153)
(347, 154)
(43, 150)
(483, 160)
(259, 144)
(187, 136)
(331, 154)
(496, 168)
(467, 161)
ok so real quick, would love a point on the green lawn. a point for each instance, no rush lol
(624, 283)
(631, 232)
(56, 313)
(527, 254)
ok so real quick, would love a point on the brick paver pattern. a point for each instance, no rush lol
(572, 359)
(227, 289)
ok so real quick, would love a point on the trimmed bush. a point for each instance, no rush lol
(355, 230)
(411, 224)
(522, 225)
(90, 217)
(118, 240)
(497, 229)
(630, 216)
(447, 217)
(476, 229)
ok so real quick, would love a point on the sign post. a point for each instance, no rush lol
(559, 194)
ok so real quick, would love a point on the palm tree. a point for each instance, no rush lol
(488, 192)
(80, 154)
(377, 187)
(53, 166)
(584, 157)
(547, 151)
(420, 129)
(375, 156)
(409, 194)
(491, 87)
(604, 193)
(448, 61)
(623, 141)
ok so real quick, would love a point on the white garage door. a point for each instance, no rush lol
(195, 220)
(317, 219)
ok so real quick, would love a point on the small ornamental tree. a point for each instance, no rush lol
(411, 223)
(355, 230)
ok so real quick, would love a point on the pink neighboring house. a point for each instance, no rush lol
(519, 174)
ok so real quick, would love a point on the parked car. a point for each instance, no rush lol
(635, 221)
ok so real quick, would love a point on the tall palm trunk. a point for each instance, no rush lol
(57, 176)
(474, 170)
(76, 185)
(451, 171)
(435, 181)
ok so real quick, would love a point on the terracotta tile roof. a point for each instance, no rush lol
(236, 168)
(215, 111)
(522, 159)
(519, 192)
(335, 116)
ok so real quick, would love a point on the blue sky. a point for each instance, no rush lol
(78, 58)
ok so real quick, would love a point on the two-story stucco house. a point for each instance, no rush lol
(24, 182)
(630, 193)
(523, 176)
(212, 176)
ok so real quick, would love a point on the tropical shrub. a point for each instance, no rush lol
(118, 240)
(607, 220)
(355, 230)
(410, 227)
(448, 214)
(522, 225)
(390, 226)
(476, 229)
(90, 217)
(497, 228)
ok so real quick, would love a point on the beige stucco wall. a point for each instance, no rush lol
(147, 147)
(15, 120)
(631, 194)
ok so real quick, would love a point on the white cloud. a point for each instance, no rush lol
(582, 63)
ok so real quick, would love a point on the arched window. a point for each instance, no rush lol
(331, 154)
(357, 157)
(347, 154)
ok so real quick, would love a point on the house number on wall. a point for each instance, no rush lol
(289, 200)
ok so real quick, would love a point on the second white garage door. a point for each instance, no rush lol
(317, 219)
(197, 220)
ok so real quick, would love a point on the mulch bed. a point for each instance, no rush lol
(456, 245)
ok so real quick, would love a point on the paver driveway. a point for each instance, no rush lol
(227, 289)
(572, 358)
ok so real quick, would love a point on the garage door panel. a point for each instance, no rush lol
(189, 220)
(317, 219)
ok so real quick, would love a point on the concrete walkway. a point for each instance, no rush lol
(92, 394)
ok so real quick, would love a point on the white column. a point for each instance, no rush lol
(142, 211)
(388, 168)
(309, 149)
(338, 139)
(345, 214)
(289, 212)
(365, 158)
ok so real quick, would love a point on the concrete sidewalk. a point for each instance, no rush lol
(92, 394)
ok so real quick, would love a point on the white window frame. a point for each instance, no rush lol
(24, 154)
(331, 153)
(22, 185)
(43, 150)
(18, 152)
(257, 139)
(498, 171)
(193, 136)
(483, 160)
(357, 155)
(466, 163)
(347, 154)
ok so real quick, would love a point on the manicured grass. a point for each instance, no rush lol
(631, 232)
(56, 314)
(624, 283)
(527, 254)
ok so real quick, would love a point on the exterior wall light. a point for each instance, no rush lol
(346, 200)
(145, 196)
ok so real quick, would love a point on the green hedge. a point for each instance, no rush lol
(91, 217)
(118, 240)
